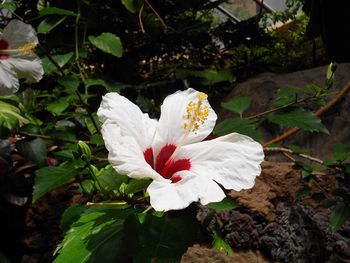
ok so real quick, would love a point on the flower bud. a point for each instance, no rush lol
(84, 150)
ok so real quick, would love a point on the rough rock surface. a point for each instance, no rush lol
(200, 254)
(262, 90)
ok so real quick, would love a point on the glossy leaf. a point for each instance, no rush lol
(237, 104)
(339, 216)
(109, 43)
(97, 236)
(220, 244)
(299, 118)
(48, 178)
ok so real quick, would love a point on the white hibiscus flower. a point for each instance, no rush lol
(17, 58)
(184, 168)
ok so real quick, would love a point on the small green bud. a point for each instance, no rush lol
(85, 150)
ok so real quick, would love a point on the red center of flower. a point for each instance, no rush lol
(164, 165)
(3, 46)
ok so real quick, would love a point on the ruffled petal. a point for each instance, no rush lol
(129, 118)
(29, 68)
(8, 80)
(18, 33)
(233, 160)
(172, 119)
(125, 154)
(165, 196)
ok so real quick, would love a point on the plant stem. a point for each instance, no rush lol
(49, 137)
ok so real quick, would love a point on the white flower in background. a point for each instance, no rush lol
(171, 152)
(17, 58)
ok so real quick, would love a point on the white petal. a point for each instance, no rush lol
(165, 196)
(125, 153)
(129, 118)
(233, 161)
(8, 80)
(18, 33)
(171, 123)
(29, 68)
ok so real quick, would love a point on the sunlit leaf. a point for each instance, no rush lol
(237, 104)
(49, 23)
(110, 179)
(298, 117)
(339, 216)
(220, 244)
(48, 178)
(10, 116)
(109, 43)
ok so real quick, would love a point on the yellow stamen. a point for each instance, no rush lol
(196, 113)
(26, 49)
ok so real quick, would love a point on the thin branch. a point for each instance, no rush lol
(345, 89)
(140, 19)
(46, 137)
(156, 13)
(289, 151)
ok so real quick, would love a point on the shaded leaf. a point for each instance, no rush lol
(34, 151)
(110, 179)
(48, 178)
(61, 60)
(243, 126)
(137, 185)
(339, 216)
(132, 5)
(109, 43)
(285, 96)
(237, 104)
(298, 117)
(55, 11)
(70, 215)
(227, 204)
(48, 24)
(70, 83)
(341, 152)
(58, 106)
(101, 82)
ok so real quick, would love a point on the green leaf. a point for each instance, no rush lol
(109, 43)
(97, 236)
(61, 60)
(285, 96)
(165, 239)
(339, 216)
(58, 106)
(132, 5)
(341, 152)
(48, 178)
(88, 186)
(212, 76)
(227, 204)
(70, 215)
(101, 82)
(302, 193)
(3, 258)
(298, 149)
(55, 11)
(237, 104)
(220, 244)
(10, 116)
(34, 151)
(11, 5)
(48, 24)
(243, 126)
(110, 179)
(137, 185)
(298, 117)
(70, 83)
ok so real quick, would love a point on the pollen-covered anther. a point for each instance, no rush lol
(196, 113)
(27, 49)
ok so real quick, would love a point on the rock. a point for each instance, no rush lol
(302, 234)
(200, 254)
(262, 90)
(276, 180)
